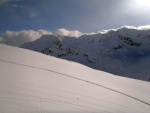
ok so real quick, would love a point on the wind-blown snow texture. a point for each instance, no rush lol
(124, 52)
(34, 83)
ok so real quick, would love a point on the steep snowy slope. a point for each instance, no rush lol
(34, 83)
(124, 52)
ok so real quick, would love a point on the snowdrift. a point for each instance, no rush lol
(31, 82)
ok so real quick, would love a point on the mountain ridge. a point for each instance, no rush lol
(123, 52)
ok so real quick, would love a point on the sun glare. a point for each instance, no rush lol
(143, 3)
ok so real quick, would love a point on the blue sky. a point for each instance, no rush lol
(82, 15)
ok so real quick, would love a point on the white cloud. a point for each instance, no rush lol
(146, 27)
(105, 31)
(92, 33)
(65, 32)
(128, 27)
(18, 38)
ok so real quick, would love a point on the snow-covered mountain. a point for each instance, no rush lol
(31, 82)
(124, 52)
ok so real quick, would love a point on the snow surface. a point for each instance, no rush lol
(124, 52)
(31, 82)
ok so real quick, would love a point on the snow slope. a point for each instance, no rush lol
(124, 52)
(31, 82)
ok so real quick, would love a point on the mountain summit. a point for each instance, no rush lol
(124, 52)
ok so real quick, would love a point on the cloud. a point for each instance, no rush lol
(65, 32)
(146, 27)
(18, 38)
(105, 31)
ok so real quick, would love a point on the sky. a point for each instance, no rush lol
(81, 16)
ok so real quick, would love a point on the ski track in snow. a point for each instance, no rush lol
(5, 61)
